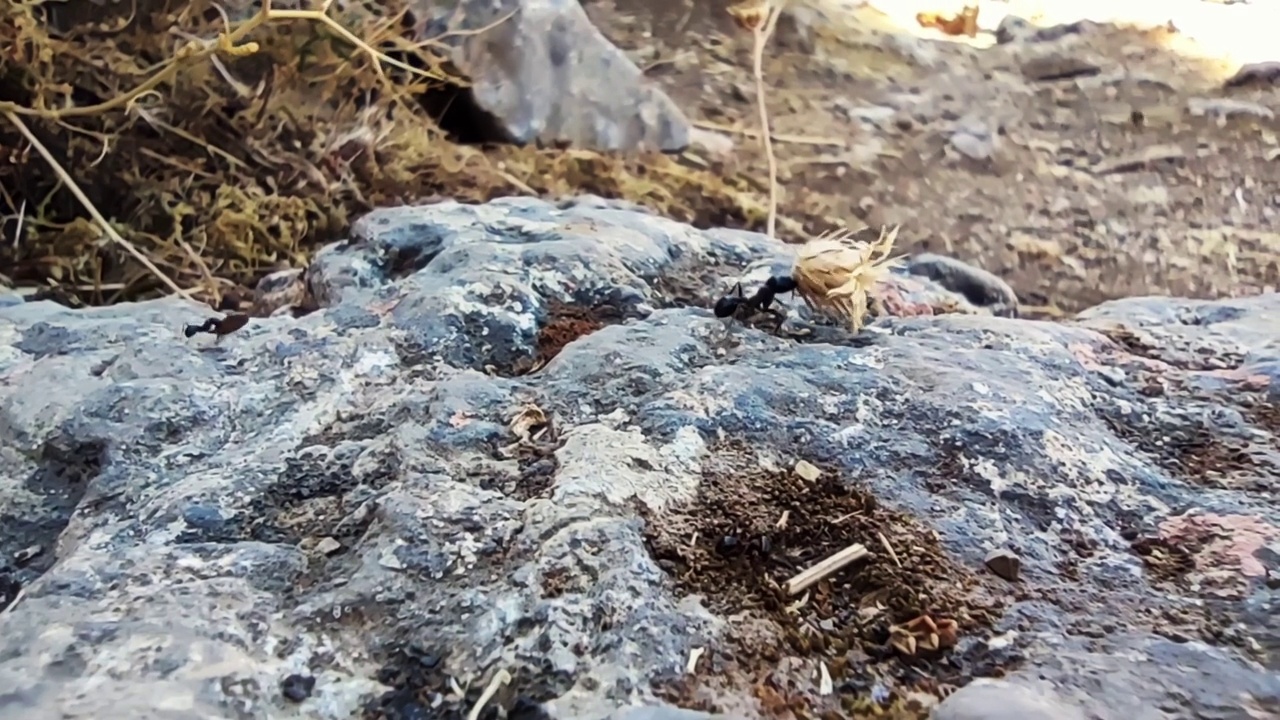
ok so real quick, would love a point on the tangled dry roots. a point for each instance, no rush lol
(240, 157)
(836, 274)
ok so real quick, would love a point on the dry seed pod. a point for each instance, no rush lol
(837, 274)
(750, 15)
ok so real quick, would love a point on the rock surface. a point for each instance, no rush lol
(548, 75)
(434, 478)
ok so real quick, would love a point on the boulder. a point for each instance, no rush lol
(514, 459)
(544, 71)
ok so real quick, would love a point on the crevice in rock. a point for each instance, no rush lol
(59, 483)
(537, 462)
(457, 113)
(564, 324)
(752, 529)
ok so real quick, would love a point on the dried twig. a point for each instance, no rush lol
(14, 603)
(889, 548)
(782, 521)
(825, 568)
(500, 678)
(777, 137)
(692, 664)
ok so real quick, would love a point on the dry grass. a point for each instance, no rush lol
(169, 149)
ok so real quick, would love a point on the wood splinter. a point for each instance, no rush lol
(824, 568)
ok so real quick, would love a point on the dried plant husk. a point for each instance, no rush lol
(837, 274)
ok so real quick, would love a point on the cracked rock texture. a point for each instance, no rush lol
(187, 523)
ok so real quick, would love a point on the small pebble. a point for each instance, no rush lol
(203, 517)
(807, 470)
(1004, 563)
(727, 545)
(297, 688)
(25, 555)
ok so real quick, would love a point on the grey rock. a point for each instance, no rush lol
(978, 286)
(1259, 74)
(1014, 29)
(1227, 108)
(996, 700)
(975, 144)
(189, 496)
(547, 74)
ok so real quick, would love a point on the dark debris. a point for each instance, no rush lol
(421, 690)
(727, 547)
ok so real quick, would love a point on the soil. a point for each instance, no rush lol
(420, 688)
(1043, 209)
(751, 529)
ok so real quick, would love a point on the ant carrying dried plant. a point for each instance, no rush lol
(218, 326)
(832, 273)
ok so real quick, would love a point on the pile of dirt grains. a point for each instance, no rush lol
(750, 529)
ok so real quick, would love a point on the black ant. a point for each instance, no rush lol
(218, 326)
(735, 305)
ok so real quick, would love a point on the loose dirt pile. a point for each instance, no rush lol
(884, 627)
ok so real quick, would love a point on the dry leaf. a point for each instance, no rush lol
(964, 23)
(527, 419)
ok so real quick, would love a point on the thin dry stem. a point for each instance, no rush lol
(777, 137)
(16, 599)
(761, 39)
(500, 678)
(761, 17)
(884, 541)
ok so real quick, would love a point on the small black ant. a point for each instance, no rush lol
(218, 326)
(735, 305)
